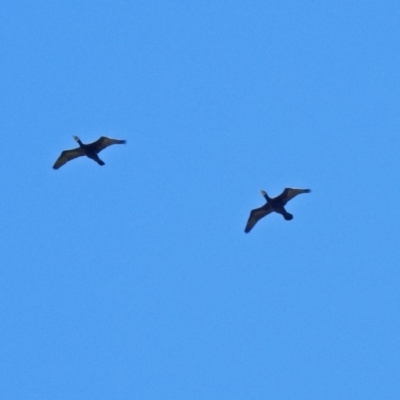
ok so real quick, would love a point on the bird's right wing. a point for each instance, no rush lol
(68, 155)
(256, 215)
(104, 142)
(289, 193)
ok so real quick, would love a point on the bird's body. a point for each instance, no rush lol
(90, 150)
(275, 204)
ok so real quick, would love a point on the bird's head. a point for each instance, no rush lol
(76, 138)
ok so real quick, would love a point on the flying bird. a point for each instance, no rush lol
(90, 150)
(276, 204)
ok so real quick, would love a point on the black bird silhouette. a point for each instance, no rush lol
(90, 150)
(276, 204)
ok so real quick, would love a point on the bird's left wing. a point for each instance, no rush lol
(104, 142)
(256, 215)
(68, 155)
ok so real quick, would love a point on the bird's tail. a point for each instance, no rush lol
(287, 216)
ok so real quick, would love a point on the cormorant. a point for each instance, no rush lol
(276, 204)
(89, 150)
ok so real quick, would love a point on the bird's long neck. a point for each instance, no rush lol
(79, 141)
(264, 193)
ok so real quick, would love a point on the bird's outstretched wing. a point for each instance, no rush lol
(256, 215)
(104, 142)
(68, 155)
(289, 193)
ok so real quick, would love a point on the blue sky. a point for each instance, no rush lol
(135, 280)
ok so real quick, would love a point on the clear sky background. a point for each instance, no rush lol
(135, 280)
